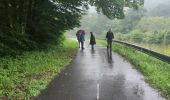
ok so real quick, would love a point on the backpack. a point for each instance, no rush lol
(81, 37)
(109, 35)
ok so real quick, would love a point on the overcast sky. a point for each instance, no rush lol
(149, 4)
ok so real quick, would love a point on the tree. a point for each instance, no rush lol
(129, 22)
(35, 24)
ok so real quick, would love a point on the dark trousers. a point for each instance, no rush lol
(109, 45)
(82, 44)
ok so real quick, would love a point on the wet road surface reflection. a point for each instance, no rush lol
(97, 74)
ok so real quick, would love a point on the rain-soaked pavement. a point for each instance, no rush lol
(94, 75)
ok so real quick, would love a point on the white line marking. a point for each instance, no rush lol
(98, 91)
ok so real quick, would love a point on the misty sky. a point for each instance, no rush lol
(150, 4)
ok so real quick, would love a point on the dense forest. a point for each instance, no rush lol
(36, 24)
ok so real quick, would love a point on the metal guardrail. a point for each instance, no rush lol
(157, 55)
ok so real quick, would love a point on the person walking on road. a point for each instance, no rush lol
(82, 38)
(92, 40)
(109, 38)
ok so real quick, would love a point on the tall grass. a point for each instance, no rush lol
(24, 76)
(157, 72)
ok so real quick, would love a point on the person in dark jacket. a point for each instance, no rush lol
(92, 40)
(109, 38)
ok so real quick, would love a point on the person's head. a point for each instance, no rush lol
(91, 33)
(110, 29)
(81, 28)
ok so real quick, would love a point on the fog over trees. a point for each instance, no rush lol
(150, 25)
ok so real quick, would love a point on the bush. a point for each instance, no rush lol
(136, 36)
(153, 38)
(167, 38)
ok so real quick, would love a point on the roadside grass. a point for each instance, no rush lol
(23, 77)
(156, 72)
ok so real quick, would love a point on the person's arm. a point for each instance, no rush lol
(78, 32)
(113, 35)
(106, 35)
(91, 38)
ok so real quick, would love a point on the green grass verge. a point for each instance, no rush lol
(25, 76)
(157, 72)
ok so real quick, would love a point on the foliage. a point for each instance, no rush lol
(129, 22)
(156, 71)
(34, 24)
(151, 30)
(27, 25)
(152, 24)
(94, 22)
(24, 76)
(136, 36)
(100, 24)
(115, 8)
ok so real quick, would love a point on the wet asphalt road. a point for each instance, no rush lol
(94, 75)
